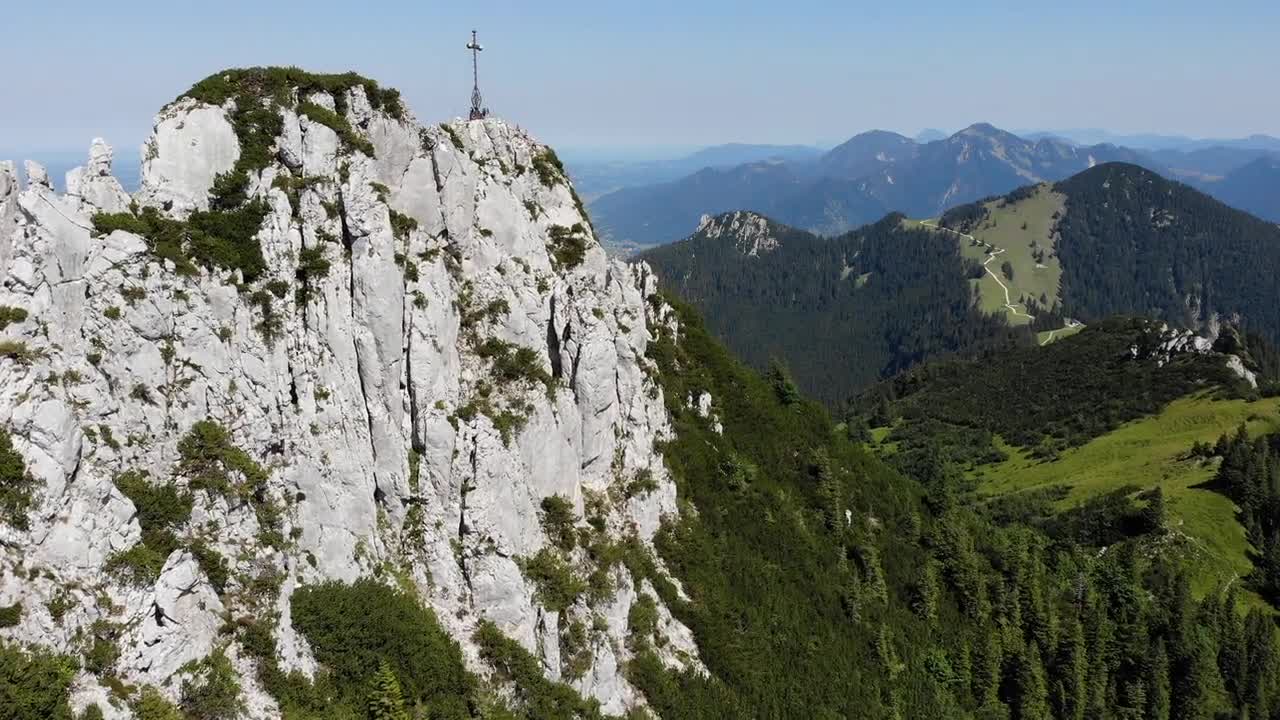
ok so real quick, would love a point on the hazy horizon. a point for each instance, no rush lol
(671, 75)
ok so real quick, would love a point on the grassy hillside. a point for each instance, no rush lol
(1153, 452)
(1044, 337)
(1024, 231)
(1086, 428)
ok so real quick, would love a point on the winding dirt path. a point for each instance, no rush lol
(1008, 301)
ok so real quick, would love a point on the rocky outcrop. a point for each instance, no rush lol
(1163, 343)
(468, 351)
(190, 145)
(94, 184)
(753, 235)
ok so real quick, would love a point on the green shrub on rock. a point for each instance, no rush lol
(536, 696)
(210, 461)
(558, 521)
(34, 685)
(10, 315)
(151, 705)
(10, 615)
(556, 584)
(16, 485)
(213, 691)
(353, 629)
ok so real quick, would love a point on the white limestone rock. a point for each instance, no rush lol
(174, 624)
(37, 175)
(753, 234)
(190, 144)
(388, 439)
(8, 212)
(94, 184)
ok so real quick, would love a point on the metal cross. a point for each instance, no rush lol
(478, 110)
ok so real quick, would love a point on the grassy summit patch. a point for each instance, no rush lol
(278, 83)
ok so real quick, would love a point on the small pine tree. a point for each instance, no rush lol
(1033, 695)
(783, 386)
(1153, 514)
(386, 701)
(1073, 666)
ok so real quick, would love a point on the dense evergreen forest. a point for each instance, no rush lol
(823, 583)
(840, 313)
(1044, 398)
(1133, 242)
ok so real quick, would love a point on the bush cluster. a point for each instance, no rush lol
(16, 485)
(568, 245)
(9, 315)
(353, 629)
(34, 685)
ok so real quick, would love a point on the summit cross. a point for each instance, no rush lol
(478, 110)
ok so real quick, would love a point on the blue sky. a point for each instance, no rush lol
(664, 73)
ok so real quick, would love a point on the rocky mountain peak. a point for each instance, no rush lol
(753, 234)
(358, 347)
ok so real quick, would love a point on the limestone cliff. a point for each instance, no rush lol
(429, 344)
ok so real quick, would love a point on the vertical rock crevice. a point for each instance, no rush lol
(553, 342)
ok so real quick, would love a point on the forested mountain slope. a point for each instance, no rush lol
(840, 313)
(845, 311)
(1049, 398)
(1129, 241)
(937, 603)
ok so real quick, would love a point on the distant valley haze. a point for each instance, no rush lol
(667, 75)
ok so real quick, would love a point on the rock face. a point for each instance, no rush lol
(377, 396)
(1165, 343)
(753, 234)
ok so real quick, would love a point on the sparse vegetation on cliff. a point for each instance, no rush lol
(16, 484)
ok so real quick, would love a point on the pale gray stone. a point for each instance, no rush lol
(368, 375)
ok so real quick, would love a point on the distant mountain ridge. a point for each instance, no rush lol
(857, 182)
(1156, 141)
(1254, 187)
(597, 177)
(844, 311)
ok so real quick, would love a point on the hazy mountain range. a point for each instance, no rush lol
(877, 172)
(594, 178)
(1155, 141)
